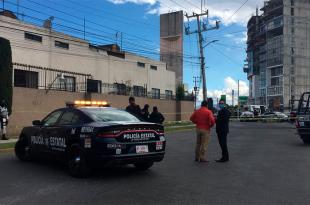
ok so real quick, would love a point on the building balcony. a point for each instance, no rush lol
(275, 23)
(274, 90)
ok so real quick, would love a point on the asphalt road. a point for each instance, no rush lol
(269, 165)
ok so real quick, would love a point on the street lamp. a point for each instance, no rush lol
(210, 43)
(203, 73)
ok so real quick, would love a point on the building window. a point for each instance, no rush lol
(155, 93)
(33, 37)
(94, 86)
(120, 88)
(276, 71)
(292, 2)
(292, 60)
(27, 79)
(140, 64)
(138, 91)
(67, 83)
(153, 67)
(292, 11)
(275, 81)
(61, 45)
(168, 94)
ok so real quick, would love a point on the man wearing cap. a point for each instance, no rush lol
(204, 120)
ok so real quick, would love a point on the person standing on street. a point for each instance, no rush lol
(133, 108)
(156, 116)
(204, 120)
(4, 116)
(222, 130)
(145, 113)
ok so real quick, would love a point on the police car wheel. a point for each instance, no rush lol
(77, 163)
(306, 141)
(144, 165)
(22, 150)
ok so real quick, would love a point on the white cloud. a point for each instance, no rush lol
(153, 11)
(239, 39)
(223, 10)
(229, 85)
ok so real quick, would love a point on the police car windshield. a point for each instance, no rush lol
(108, 114)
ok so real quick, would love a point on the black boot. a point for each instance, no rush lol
(4, 137)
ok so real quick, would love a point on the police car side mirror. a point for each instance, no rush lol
(36, 123)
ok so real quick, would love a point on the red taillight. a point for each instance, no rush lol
(108, 134)
(297, 124)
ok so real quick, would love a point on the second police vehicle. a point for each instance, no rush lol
(303, 117)
(89, 133)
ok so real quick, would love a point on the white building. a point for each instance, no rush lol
(46, 59)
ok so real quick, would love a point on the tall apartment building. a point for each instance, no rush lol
(278, 53)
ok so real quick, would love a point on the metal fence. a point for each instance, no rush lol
(37, 77)
(49, 79)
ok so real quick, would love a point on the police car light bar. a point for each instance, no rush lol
(102, 103)
(88, 103)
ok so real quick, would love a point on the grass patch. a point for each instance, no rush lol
(178, 123)
(7, 145)
(178, 128)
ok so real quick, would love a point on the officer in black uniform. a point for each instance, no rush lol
(222, 130)
(4, 116)
(156, 116)
(133, 108)
(145, 113)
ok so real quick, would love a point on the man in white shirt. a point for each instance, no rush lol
(4, 116)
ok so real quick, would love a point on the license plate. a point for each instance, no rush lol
(142, 149)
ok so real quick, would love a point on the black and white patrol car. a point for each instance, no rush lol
(86, 136)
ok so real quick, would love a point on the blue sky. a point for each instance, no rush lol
(138, 21)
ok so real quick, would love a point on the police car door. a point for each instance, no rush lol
(65, 130)
(43, 142)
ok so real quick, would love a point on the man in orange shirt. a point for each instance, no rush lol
(204, 120)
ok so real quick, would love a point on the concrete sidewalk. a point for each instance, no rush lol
(8, 141)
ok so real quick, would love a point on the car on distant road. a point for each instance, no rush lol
(275, 116)
(86, 134)
(247, 116)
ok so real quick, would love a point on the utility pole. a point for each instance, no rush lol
(196, 88)
(84, 27)
(238, 100)
(232, 97)
(201, 28)
(3, 5)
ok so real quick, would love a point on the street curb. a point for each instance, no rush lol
(8, 150)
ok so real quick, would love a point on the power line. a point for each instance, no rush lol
(229, 58)
(92, 34)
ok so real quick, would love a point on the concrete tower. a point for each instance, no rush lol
(171, 43)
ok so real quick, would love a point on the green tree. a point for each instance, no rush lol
(180, 93)
(6, 70)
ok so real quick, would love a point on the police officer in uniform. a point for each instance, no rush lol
(156, 116)
(133, 108)
(222, 130)
(4, 116)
